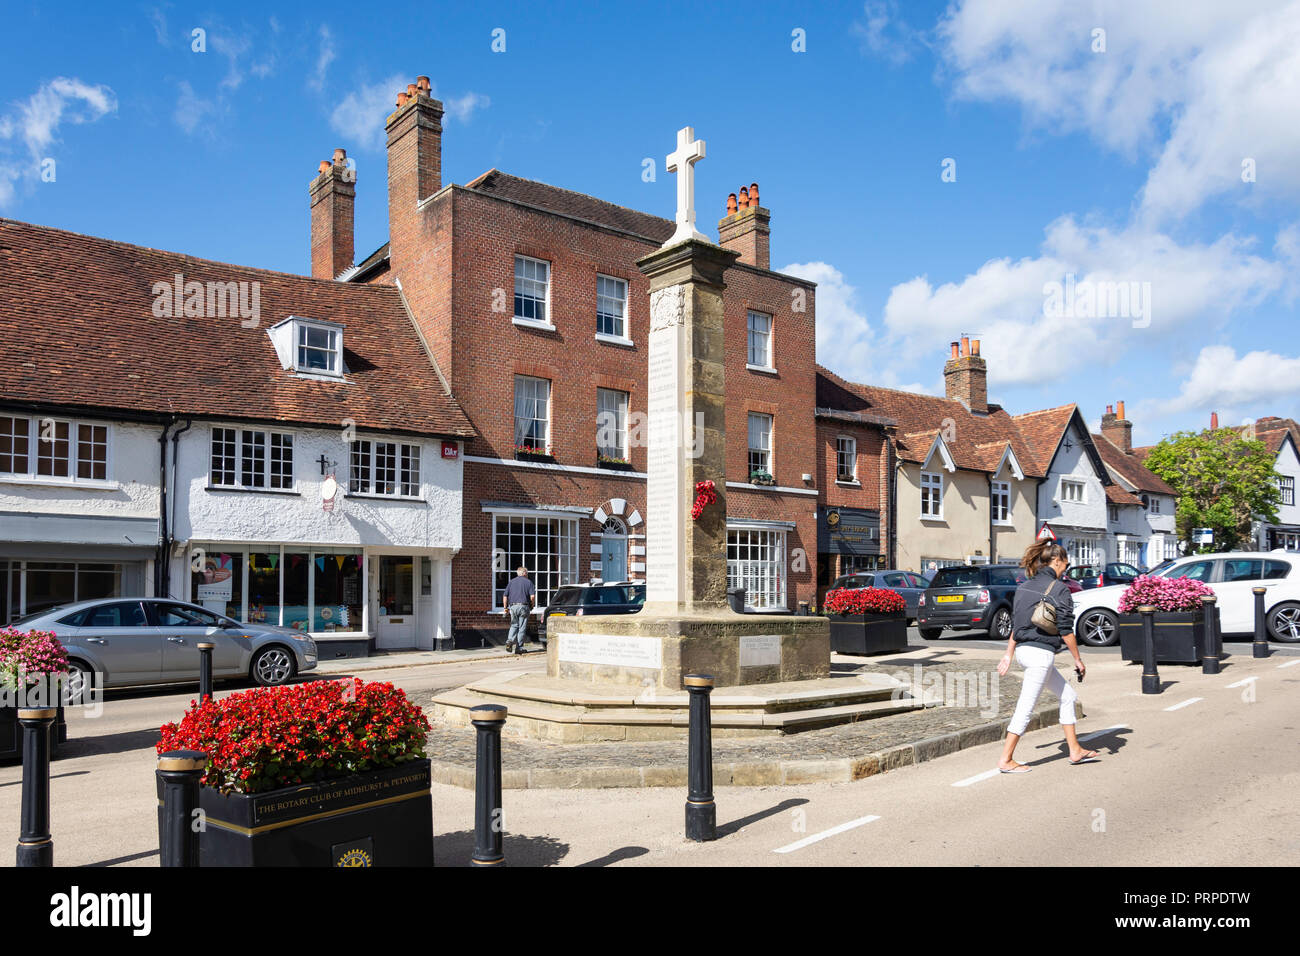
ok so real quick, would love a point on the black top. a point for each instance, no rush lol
(1043, 584)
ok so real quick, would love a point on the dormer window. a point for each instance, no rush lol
(320, 349)
(309, 346)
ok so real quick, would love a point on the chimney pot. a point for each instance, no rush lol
(731, 204)
(1110, 409)
(954, 350)
(965, 345)
(975, 347)
(744, 198)
(1214, 420)
(410, 90)
(1120, 411)
(401, 99)
(422, 84)
(324, 166)
(753, 194)
(340, 157)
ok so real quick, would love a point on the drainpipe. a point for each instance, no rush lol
(891, 467)
(993, 548)
(160, 558)
(172, 526)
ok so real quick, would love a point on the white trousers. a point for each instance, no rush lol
(1040, 672)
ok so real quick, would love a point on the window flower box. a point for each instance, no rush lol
(761, 478)
(1179, 621)
(533, 453)
(32, 666)
(866, 620)
(331, 773)
(612, 462)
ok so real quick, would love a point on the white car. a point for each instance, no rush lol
(1230, 575)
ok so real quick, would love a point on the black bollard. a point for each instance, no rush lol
(701, 812)
(1150, 673)
(35, 846)
(489, 719)
(1213, 638)
(179, 773)
(1260, 647)
(205, 671)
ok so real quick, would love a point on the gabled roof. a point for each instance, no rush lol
(976, 442)
(78, 331)
(1119, 496)
(1129, 467)
(569, 203)
(1272, 431)
(1044, 431)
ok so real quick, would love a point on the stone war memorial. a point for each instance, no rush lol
(620, 677)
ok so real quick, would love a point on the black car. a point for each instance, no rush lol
(624, 597)
(1116, 572)
(970, 597)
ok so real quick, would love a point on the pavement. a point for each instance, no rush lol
(1204, 773)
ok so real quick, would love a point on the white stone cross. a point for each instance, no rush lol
(682, 162)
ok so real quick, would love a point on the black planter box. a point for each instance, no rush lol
(1179, 637)
(614, 465)
(381, 818)
(868, 633)
(11, 734)
(534, 456)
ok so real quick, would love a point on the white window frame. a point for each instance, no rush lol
(1286, 487)
(267, 458)
(761, 571)
(368, 456)
(616, 428)
(846, 446)
(1070, 483)
(768, 363)
(38, 425)
(302, 329)
(1113, 513)
(522, 261)
(932, 481)
(619, 336)
(566, 560)
(1000, 502)
(765, 436)
(546, 421)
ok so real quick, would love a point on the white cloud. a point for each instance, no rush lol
(323, 60)
(1199, 86)
(191, 108)
(36, 123)
(1222, 381)
(158, 19)
(884, 34)
(1003, 302)
(360, 115)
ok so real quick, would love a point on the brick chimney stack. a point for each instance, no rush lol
(414, 164)
(746, 228)
(1117, 429)
(333, 198)
(965, 376)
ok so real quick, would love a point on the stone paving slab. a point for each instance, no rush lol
(831, 754)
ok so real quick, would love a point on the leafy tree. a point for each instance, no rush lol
(1223, 481)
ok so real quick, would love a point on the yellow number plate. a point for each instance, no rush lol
(948, 598)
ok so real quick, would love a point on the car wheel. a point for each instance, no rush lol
(931, 633)
(80, 685)
(1284, 622)
(1098, 628)
(274, 666)
(1000, 626)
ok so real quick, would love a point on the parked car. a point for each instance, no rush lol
(1230, 575)
(578, 600)
(970, 596)
(1115, 572)
(907, 583)
(118, 642)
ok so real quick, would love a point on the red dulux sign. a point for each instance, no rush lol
(450, 449)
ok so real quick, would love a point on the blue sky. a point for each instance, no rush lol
(1113, 158)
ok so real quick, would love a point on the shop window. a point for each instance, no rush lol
(756, 562)
(547, 547)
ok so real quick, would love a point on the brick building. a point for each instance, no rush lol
(531, 302)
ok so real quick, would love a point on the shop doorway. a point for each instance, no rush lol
(396, 602)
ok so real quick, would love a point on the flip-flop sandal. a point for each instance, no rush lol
(1021, 769)
(1075, 763)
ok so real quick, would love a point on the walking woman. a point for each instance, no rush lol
(1035, 642)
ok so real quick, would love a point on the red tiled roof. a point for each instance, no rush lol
(1042, 431)
(1118, 496)
(1272, 430)
(977, 440)
(77, 329)
(1129, 467)
(530, 191)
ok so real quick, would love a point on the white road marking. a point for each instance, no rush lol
(806, 841)
(1290, 663)
(1102, 733)
(1186, 703)
(1242, 683)
(977, 778)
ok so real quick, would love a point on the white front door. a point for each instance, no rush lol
(396, 597)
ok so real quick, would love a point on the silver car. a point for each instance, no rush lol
(117, 642)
